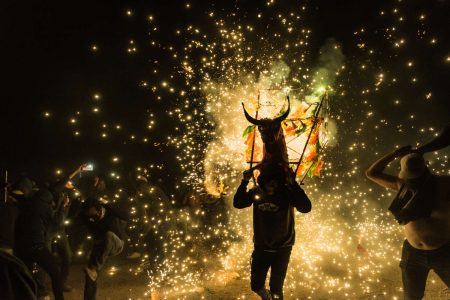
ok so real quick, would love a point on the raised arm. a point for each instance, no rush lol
(297, 195)
(440, 142)
(60, 184)
(242, 198)
(375, 171)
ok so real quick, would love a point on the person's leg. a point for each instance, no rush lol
(280, 262)
(440, 263)
(90, 288)
(65, 255)
(415, 271)
(45, 260)
(259, 266)
(40, 279)
(111, 245)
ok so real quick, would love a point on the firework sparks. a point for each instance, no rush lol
(347, 244)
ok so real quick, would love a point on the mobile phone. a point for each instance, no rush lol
(89, 167)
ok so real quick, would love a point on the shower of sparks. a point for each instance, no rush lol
(347, 244)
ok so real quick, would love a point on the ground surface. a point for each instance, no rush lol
(125, 285)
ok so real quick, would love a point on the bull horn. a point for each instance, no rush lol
(250, 118)
(286, 113)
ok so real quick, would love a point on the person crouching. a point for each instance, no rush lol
(106, 223)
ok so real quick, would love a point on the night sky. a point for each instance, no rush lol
(49, 65)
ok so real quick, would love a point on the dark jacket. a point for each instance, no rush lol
(36, 217)
(114, 220)
(8, 215)
(273, 216)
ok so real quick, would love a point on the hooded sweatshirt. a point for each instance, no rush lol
(273, 215)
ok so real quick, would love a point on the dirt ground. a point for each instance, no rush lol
(124, 285)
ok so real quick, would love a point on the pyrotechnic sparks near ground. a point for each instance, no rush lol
(347, 244)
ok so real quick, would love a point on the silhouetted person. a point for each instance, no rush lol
(16, 282)
(273, 200)
(9, 211)
(59, 242)
(422, 207)
(31, 238)
(36, 217)
(106, 224)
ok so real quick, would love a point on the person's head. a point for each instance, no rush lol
(92, 208)
(271, 178)
(413, 167)
(22, 187)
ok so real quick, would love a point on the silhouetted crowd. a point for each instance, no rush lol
(42, 225)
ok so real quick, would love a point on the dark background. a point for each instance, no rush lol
(48, 65)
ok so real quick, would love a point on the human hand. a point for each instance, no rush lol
(402, 151)
(247, 175)
(290, 177)
(66, 201)
(82, 168)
